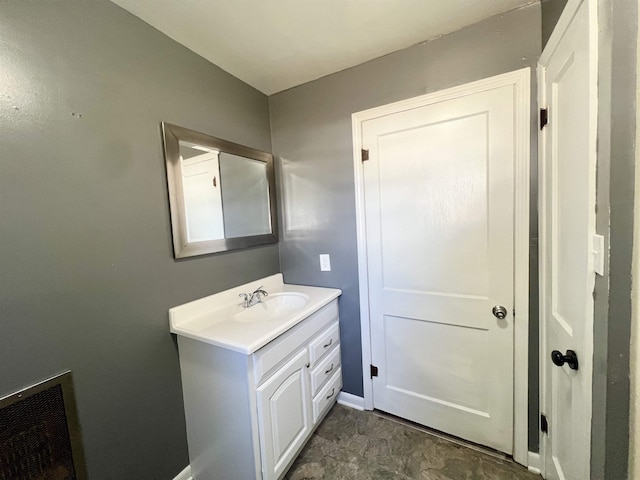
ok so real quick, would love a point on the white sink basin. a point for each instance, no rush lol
(220, 320)
(273, 307)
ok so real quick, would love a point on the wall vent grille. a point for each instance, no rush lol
(39, 433)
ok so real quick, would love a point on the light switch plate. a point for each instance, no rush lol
(325, 262)
(598, 254)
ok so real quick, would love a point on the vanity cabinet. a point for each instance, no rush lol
(249, 415)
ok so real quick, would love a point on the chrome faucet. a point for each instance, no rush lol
(250, 299)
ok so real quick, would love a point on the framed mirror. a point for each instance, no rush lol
(221, 194)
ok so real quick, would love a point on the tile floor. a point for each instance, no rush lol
(355, 445)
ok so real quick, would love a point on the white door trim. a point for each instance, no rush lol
(520, 80)
(569, 12)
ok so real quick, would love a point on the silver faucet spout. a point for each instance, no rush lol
(260, 292)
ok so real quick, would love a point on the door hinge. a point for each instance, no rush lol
(374, 371)
(544, 117)
(544, 424)
(365, 155)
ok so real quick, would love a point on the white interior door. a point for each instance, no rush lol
(202, 197)
(567, 227)
(439, 211)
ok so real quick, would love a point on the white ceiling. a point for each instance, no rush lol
(274, 45)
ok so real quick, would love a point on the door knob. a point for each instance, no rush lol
(571, 359)
(499, 311)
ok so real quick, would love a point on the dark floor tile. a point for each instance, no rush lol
(355, 445)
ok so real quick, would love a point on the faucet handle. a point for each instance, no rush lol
(260, 291)
(245, 299)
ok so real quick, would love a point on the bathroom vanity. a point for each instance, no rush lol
(256, 381)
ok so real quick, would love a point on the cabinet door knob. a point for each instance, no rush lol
(330, 369)
(333, 391)
(328, 344)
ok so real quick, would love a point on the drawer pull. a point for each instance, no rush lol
(328, 344)
(330, 369)
(333, 391)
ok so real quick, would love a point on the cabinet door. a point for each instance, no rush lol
(284, 415)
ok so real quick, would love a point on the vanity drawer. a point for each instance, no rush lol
(274, 353)
(327, 395)
(324, 343)
(325, 369)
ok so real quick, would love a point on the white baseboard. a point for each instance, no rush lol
(351, 401)
(184, 474)
(533, 462)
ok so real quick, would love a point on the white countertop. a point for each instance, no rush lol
(210, 319)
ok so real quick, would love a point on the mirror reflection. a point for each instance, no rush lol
(221, 194)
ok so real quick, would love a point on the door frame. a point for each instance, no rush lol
(586, 360)
(520, 81)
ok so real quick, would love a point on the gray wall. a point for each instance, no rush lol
(551, 11)
(616, 170)
(87, 271)
(311, 135)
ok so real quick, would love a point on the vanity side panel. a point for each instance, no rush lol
(219, 412)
